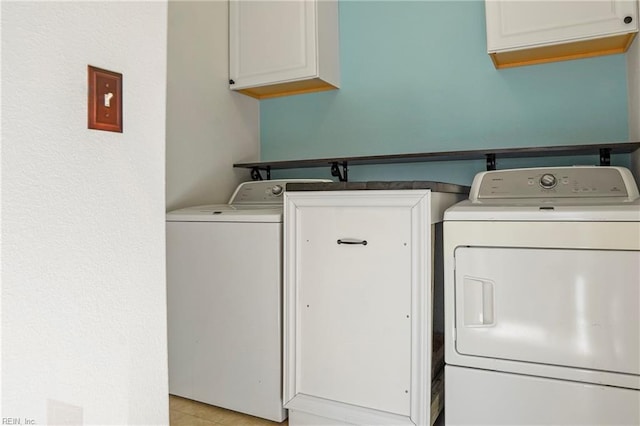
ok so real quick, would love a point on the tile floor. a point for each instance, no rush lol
(185, 412)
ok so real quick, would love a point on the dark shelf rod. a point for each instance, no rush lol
(604, 150)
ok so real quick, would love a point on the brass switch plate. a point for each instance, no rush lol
(105, 100)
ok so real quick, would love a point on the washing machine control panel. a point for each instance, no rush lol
(265, 192)
(555, 182)
(548, 181)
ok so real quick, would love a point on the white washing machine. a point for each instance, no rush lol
(224, 291)
(542, 299)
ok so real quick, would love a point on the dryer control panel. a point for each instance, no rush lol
(555, 182)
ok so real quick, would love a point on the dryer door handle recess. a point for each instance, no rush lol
(352, 241)
(478, 302)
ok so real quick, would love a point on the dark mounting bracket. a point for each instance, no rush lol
(256, 175)
(605, 156)
(335, 171)
(491, 161)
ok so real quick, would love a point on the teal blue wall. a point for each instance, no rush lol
(416, 78)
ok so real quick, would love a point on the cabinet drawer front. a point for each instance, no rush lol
(520, 24)
(355, 305)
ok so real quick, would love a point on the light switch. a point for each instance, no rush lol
(105, 100)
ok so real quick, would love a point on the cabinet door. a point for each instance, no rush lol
(358, 303)
(271, 41)
(516, 24)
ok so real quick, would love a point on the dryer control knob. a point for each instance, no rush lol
(277, 189)
(548, 181)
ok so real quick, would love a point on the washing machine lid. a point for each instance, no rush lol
(580, 193)
(227, 213)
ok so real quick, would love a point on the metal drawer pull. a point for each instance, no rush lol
(350, 241)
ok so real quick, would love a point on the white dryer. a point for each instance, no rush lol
(542, 299)
(224, 291)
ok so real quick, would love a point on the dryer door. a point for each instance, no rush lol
(578, 308)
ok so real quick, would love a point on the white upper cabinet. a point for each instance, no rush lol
(531, 32)
(280, 48)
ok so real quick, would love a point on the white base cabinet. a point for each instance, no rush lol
(531, 32)
(358, 305)
(283, 47)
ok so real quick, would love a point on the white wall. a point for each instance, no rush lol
(83, 281)
(208, 126)
(633, 80)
